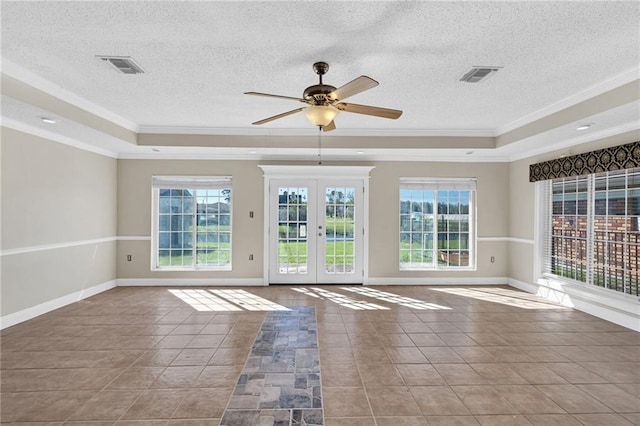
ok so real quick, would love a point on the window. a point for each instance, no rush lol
(590, 226)
(437, 223)
(191, 222)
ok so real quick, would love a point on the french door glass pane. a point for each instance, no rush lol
(339, 230)
(292, 230)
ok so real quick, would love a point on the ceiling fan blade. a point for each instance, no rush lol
(329, 127)
(370, 110)
(269, 95)
(275, 117)
(353, 87)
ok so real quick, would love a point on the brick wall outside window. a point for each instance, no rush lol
(608, 254)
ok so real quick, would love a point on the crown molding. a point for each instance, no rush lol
(605, 133)
(595, 90)
(224, 131)
(25, 76)
(311, 154)
(65, 140)
(252, 131)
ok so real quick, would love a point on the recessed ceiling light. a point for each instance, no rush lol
(359, 152)
(253, 152)
(48, 120)
(583, 126)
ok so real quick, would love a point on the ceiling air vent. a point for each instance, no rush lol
(478, 74)
(125, 64)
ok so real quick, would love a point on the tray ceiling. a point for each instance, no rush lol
(199, 58)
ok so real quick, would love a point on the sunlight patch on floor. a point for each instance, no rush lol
(347, 301)
(249, 301)
(306, 292)
(203, 301)
(225, 300)
(395, 298)
(503, 296)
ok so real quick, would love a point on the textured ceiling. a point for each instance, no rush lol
(199, 57)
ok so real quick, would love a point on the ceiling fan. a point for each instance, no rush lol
(325, 101)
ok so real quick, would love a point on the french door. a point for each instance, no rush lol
(316, 231)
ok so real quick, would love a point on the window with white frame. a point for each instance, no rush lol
(590, 229)
(437, 223)
(191, 222)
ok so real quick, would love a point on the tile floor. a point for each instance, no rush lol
(389, 356)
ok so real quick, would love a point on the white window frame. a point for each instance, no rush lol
(191, 183)
(441, 184)
(544, 235)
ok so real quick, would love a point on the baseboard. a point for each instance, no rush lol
(190, 282)
(436, 281)
(521, 285)
(620, 309)
(43, 308)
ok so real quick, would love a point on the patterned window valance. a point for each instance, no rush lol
(603, 160)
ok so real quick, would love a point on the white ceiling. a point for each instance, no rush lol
(199, 58)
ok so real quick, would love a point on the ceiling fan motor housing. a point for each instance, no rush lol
(318, 94)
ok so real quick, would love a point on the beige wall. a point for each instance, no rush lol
(56, 199)
(134, 215)
(61, 197)
(492, 216)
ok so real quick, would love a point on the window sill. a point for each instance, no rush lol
(558, 282)
(450, 269)
(229, 269)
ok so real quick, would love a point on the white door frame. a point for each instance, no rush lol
(317, 172)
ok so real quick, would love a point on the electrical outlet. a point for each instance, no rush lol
(128, 258)
(250, 257)
(493, 259)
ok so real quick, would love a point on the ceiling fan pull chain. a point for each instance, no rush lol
(319, 146)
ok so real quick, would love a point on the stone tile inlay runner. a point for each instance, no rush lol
(280, 383)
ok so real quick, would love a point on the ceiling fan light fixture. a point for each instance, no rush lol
(325, 101)
(321, 115)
